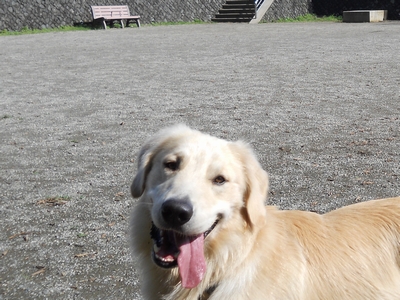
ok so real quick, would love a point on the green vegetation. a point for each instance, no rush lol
(27, 30)
(176, 23)
(310, 18)
(81, 235)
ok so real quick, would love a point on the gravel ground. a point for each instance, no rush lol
(319, 102)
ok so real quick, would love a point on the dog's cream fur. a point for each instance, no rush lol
(257, 252)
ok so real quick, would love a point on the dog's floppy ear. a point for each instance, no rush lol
(256, 185)
(144, 165)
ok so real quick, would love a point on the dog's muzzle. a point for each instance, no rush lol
(165, 250)
(172, 248)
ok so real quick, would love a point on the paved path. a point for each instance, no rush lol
(319, 102)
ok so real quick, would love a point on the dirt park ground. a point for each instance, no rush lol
(319, 102)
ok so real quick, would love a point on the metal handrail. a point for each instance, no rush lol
(257, 5)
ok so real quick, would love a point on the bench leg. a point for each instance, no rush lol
(122, 23)
(104, 24)
(138, 23)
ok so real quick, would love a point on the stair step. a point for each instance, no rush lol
(232, 20)
(228, 11)
(237, 7)
(235, 15)
(239, 2)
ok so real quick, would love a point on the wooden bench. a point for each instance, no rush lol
(110, 14)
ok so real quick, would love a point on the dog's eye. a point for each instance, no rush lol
(219, 180)
(171, 165)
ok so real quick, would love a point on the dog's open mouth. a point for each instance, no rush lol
(173, 249)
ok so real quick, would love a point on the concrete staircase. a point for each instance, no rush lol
(236, 11)
(246, 11)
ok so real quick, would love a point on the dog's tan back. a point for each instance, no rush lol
(349, 253)
(252, 251)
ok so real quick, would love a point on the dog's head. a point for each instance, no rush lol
(193, 184)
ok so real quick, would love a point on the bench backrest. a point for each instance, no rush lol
(110, 11)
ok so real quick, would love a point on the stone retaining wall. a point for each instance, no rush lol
(17, 14)
(288, 9)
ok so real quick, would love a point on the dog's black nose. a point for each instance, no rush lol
(176, 212)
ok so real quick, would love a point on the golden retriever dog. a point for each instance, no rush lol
(201, 230)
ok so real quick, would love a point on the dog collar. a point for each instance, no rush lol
(207, 293)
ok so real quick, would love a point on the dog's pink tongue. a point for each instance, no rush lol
(191, 262)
